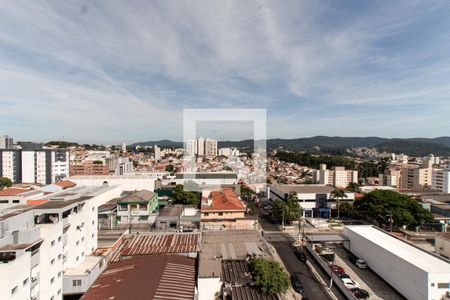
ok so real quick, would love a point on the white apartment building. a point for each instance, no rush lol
(229, 152)
(34, 164)
(43, 246)
(190, 147)
(441, 180)
(338, 177)
(200, 146)
(157, 153)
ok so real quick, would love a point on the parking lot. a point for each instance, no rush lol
(367, 279)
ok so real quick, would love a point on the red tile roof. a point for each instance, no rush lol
(145, 244)
(65, 184)
(159, 277)
(222, 200)
(12, 191)
(37, 201)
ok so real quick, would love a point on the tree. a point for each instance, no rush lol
(288, 210)
(353, 187)
(5, 182)
(346, 208)
(170, 168)
(384, 206)
(269, 276)
(181, 196)
(246, 192)
(338, 195)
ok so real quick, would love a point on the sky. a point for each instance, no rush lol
(123, 71)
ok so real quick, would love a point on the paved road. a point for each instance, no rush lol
(282, 243)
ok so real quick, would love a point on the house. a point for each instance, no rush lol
(58, 186)
(137, 207)
(178, 217)
(224, 210)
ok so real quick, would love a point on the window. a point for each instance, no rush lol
(16, 201)
(76, 282)
(59, 256)
(4, 201)
(59, 274)
(220, 214)
(443, 285)
(53, 243)
(77, 258)
(77, 242)
(93, 235)
(93, 208)
(52, 298)
(52, 280)
(59, 292)
(25, 282)
(59, 239)
(82, 238)
(123, 207)
(206, 214)
(93, 222)
(14, 290)
(82, 253)
(52, 261)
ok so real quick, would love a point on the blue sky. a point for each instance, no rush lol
(113, 71)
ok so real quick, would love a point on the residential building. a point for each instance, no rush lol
(441, 180)
(178, 217)
(210, 147)
(89, 168)
(200, 146)
(35, 242)
(224, 210)
(414, 177)
(191, 148)
(15, 196)
(338, 177)
(124, 147)
(392, 176)
(157, 153)
(315, 200)
(137, 207)
(228, 152)
(34, 164)
(6, 142)
(129, 182)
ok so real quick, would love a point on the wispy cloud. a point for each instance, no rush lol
(100, 71)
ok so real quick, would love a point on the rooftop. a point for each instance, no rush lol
(212, 175)
(65, 184)
(138, 196)
(250, 293)
(171, 211)
(399, 248)
(304, 189)
(228, 244)
(171, 277)
(160, 243)
(85, 266)
(12, 191)
(222, 200)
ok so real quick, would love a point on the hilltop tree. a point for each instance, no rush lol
(269, 276)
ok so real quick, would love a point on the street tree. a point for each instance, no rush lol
(338, 195)
(5, 182)
(269, 276)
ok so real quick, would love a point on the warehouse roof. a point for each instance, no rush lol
(304, 189)
(416, 256)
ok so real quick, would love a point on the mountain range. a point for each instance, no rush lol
(439, 146)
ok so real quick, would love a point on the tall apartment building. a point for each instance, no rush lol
(210, 147)
(157, 153)
(416, 177)
(191, 147)
(45, 249)
(200, 146)
(6, 142)
(338, 176)
(34, 164)
(441, 180)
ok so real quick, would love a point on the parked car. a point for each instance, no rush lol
(361, 263)
(342, 275)
(300, 255)
(352, 258)
(360, 293)
(337, 268)
(350, 284)
(296, 283)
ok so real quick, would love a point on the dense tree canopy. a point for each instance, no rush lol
(186, 195)
(269, 276)
(5, 182)
(389, 205)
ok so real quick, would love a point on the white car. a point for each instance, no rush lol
(350, 284)
(361, 263)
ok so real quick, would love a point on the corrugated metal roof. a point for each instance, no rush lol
(145, 244)
(160, 277)
(250, 293)
(236, 272)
